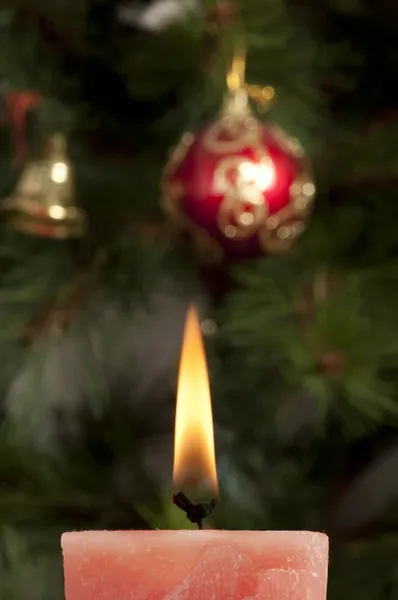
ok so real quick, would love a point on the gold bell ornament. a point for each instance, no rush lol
(43, 203)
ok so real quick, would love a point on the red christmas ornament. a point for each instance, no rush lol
(241, 188)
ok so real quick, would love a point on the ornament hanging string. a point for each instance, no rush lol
(221, 15)
(224, 14)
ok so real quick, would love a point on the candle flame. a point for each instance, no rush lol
(194, 453)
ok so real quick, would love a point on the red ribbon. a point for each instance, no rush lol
(17, 106)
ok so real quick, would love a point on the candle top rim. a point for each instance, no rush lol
(295, 538)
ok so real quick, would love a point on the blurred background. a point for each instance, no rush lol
(95, 279)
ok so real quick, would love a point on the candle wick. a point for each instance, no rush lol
(195, 513)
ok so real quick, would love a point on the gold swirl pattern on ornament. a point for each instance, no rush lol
(280, 240)
(173, 191)
(288, 144)
(234, 220)
(241, 134)
(207, 247)
(237, 190)
(283, 228)
(179, 153)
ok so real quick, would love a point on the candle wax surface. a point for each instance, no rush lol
(195, 565)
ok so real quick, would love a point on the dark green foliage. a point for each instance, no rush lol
(304, 362)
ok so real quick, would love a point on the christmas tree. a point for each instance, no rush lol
(96, 280)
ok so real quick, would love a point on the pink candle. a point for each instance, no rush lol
(195, 565)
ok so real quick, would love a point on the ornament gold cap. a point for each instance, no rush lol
(239, 91)
(237, 72)
(43, 203)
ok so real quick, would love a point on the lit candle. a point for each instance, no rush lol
(195, 565)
